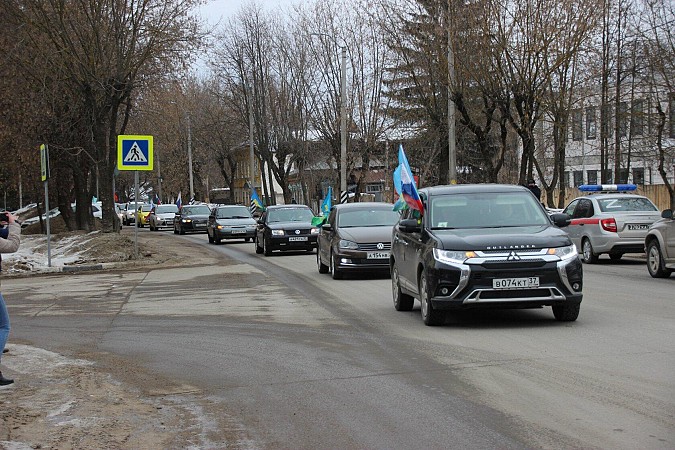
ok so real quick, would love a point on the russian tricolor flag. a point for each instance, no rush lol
(179, 202)
(405, 184)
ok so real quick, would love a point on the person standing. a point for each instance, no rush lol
(9, 244)
(532, 186)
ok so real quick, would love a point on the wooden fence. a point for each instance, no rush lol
(655, 192)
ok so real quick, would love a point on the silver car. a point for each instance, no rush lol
(162, 216)
(610, 223)
(660, 246)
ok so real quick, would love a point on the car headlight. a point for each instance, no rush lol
(452, 256)
(220, 227)
(564, 253)
(348, 244)
(186, 220)
(250, 227)
(277, 232)
(314, 231)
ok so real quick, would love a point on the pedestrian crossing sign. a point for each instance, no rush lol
(134, 152)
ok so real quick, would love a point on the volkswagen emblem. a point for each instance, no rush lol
(297, 231)
(380, 246)
(513, 256)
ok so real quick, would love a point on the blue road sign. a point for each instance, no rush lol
(134, 152)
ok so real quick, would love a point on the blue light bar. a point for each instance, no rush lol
(607, 187)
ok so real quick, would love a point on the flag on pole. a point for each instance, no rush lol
(255, 201)
(179, 202)
(407, 183)
(326, 205)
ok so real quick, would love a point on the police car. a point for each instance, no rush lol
(609, 219)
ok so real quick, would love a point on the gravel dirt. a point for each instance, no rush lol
(64, 403)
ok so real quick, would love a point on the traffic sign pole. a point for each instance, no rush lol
(44, 175)
(136, 214)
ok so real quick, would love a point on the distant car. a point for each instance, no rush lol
(356, 237)
(130, 213)
(660, 246)
(230, 222)
(142, 213)
(162, 216)
(191, 219)
(285, 227)
(609, 222)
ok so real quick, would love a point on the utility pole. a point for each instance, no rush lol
(343, 121)
(189, 144)
(251, 153)
(452, 152)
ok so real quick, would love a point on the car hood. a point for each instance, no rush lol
(507, 238)
(290, 225)
(195, 216)
(235, 222)
(366, 234)
(166, 215)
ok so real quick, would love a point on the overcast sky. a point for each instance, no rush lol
(216, 10)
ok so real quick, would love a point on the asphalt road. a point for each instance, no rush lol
(295, 359)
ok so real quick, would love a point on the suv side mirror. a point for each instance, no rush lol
(326, 226)
(561, 219)
(409, 226)
(667, 214)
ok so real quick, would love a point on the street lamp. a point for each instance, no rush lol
(343, 114)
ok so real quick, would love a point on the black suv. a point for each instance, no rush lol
(484, 246)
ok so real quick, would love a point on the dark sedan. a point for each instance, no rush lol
(230, 222)
(356, 237)
(285, 227)
(191, 219)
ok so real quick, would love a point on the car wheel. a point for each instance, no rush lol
(320, 265)
(247, 239)
(258, 248)
(566, 313)
(216, 238)
(430, 316)
(587, 254)
(267, 251)
(335, 272)
(615, 256)
(402, 302)
(181, 230)
(655, 263)
(209, 236)
(175, 231)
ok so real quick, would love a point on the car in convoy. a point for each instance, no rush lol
(356, 237)
(142, 213)
(162, 216)
(609, 220)
(230, 222)
(484, 246)
(191, 219)
(129, 212)
(285, 227)
(660, 246)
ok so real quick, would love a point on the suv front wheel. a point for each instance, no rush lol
(430, 316)
(655, 263)
(566, 313)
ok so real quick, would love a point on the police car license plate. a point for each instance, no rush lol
(297, 238)
(515, 283)
(638, 226)
(377, 255)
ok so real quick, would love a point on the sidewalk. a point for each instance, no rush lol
(62, 402)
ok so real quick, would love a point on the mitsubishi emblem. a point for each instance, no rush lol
(513, 256)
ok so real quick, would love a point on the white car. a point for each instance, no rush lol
(162, 216)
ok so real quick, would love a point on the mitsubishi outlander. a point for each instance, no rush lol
(484, 246)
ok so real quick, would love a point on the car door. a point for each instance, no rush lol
(407, 243)
(669, 238)
(326, 236)
(260, 228)
(573, 230)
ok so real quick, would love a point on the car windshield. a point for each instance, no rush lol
(200, 209)
(235, 212)
(486, 210)
(161, 209)
(626, 204)
(146, 208)
(371, 217)
(290, 215)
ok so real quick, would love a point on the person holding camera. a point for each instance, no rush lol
(8, 244)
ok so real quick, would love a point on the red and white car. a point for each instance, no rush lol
(609, 220)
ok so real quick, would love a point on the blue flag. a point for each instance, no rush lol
(255, 201)
(326, 205)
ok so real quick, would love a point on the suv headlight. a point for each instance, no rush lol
(564, 253)
(314, 231)
(277, 232)
(344, 243)
(452, 256)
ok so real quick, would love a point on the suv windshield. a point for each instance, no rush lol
(233, 212)
(486, 210)
(160, 209)
(200, 209)
(368, 218)
(626, 204)
(290, 215)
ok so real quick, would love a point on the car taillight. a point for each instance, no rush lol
(608, 224)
